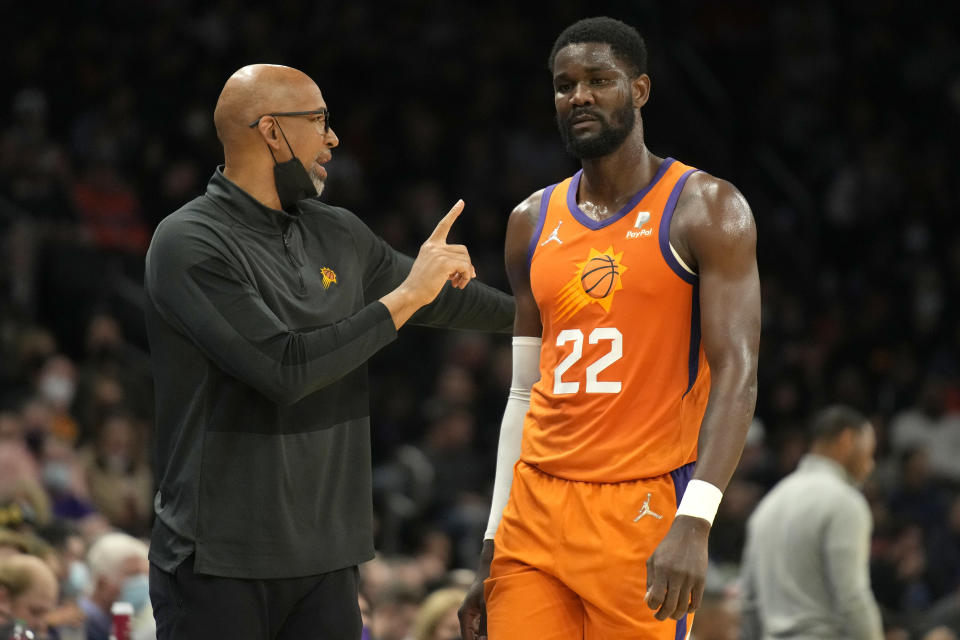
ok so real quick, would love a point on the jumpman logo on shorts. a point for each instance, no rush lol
(553, 235)
(646, 511)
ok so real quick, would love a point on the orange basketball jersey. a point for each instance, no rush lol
(623, 378)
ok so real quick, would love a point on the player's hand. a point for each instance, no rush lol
(677, 570)
(473, 613)
(437, 262)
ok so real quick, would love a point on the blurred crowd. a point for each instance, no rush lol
(839, 122)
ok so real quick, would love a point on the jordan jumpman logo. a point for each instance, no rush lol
(553, 235)
(646, 511)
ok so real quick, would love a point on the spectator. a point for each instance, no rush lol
(24, 504)
(69, 551)
(121, 484)
(395, 611)
(57, 384)
(28, 592)
(366, 616)
(113, 374)
(918, 498)
(110, 209)
(437, 618)
(930, 426)
(118, 570)
(63, 477)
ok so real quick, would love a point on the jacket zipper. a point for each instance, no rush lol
(293, 263)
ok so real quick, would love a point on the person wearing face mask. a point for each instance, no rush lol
(57, 386)
(805, 570)
(119, 573)
(263, 305)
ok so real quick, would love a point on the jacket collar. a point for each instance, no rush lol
(244, 208)
(814, 462)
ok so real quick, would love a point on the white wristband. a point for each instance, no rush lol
(700, 500)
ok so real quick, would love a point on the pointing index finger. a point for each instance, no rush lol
(443, 227)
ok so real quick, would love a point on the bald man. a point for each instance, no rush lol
(28, 592)
(263, 305)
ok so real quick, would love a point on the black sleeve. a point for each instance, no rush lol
(197, 289)
(478, 306)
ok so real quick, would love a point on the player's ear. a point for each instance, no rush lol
(640, 87)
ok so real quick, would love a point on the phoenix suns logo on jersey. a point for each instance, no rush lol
(329, 277)
(596, 280)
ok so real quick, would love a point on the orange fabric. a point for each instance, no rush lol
(630, 404)
(570, 560)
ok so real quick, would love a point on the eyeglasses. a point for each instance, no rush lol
(315, 112)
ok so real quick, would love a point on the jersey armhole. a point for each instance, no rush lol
(541, 219)
(669, 254)
(680, 260)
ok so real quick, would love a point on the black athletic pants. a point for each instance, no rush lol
(190, 606)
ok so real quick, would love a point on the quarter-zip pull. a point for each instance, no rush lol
(293, 263)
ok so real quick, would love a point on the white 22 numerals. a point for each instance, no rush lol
(593, 385)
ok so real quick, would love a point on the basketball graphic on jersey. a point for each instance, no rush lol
(597, 279)
(598, 276)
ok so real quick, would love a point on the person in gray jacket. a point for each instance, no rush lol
(806, 560)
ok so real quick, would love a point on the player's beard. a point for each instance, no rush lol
(606, 141)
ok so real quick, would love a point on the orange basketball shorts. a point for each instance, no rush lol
(570, 559)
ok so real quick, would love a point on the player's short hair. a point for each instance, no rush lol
(625, 41)
(834, 420)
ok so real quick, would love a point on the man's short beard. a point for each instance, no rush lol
(608, 140)
(317, 181)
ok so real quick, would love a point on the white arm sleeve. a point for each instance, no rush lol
(526, 371)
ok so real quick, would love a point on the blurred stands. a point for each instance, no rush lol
(839, 121)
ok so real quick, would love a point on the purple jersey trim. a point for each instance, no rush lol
(693, 358)
(544, 203)
(681, 628)
(589, 222)
(664, 234)
(681, 478)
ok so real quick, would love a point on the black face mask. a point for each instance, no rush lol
(292, 180)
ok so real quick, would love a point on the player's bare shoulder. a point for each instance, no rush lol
(711, 215)
(527, 212)
(520, 227)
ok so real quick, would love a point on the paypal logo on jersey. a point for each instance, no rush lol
(642, 218)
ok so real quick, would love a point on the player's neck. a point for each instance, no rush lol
(610, 181)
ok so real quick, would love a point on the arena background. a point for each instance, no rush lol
(837, 120)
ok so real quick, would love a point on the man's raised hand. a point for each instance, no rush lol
(436, 263)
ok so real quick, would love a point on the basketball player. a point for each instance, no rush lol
(634, 371)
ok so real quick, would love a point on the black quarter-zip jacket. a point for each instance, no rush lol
(260, 325)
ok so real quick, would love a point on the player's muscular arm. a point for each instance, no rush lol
(520, 229)
(721, 237)
(714, 232)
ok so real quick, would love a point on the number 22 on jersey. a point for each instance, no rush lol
(593, 384)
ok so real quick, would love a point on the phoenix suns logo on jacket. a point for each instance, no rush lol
(329, 277)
